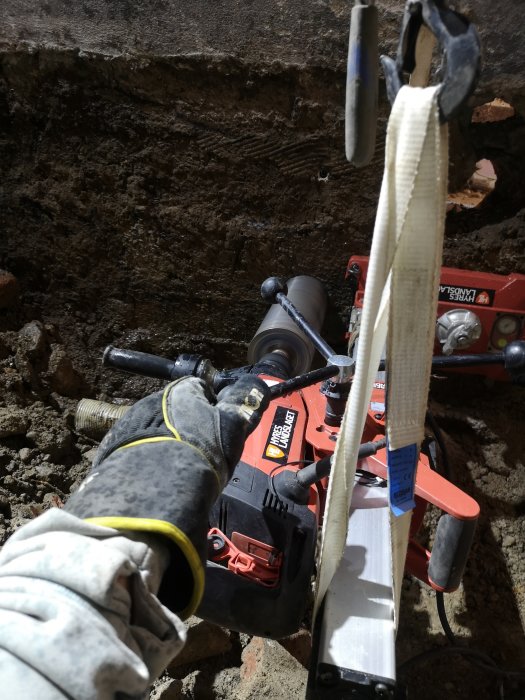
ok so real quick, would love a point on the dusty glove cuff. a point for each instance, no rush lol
(161, 487)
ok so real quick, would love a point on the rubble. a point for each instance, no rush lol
(13, 421)
(299, 645)
(62, 376)
(32, 340)
(269, 671)
(167, 689)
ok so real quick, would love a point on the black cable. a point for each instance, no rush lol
(476, 657)
(282, 466)
(447, 629)
(479, 658)
(438, 434)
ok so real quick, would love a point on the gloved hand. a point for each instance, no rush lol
(161, 467)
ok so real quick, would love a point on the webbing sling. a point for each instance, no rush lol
(401, 297)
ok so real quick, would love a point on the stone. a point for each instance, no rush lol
(204, 641)
(9, 289)
(54, 441)
(61, 374)
(52, 500)
(32, 340)
(25, 454)
(494, 111)
(5, 504)
(269, 671)
(25, 369)
(299, 645)
(50, 435)
(90, 453)
(13, 421)
(167, 689)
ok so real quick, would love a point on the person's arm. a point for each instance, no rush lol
(80, 615)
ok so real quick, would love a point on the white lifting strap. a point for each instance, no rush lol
(401, 297)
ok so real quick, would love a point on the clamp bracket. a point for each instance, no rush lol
(459, 43)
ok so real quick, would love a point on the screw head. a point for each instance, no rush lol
(327, 678)
(382, 690)
(216, 543)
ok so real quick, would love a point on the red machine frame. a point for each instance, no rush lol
(491, 297)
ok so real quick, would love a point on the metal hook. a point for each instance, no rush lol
(459, 43)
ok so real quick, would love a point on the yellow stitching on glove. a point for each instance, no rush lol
(171, 532)
(165, 412)
(176, 432)
(143, 441)
(172, 439)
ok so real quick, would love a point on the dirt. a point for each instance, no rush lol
(482, 428)
(143, 202)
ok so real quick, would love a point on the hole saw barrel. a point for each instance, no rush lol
(278, 332)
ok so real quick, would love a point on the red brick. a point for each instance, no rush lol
(269, 671)
(299, 645)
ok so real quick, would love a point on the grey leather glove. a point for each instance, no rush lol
(161, 467)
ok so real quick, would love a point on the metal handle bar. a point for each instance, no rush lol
(512, 357)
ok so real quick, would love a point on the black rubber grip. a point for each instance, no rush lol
(450, 552)
(141, 363)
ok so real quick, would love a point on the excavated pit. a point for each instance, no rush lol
(143, 200)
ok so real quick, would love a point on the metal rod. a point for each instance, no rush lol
(302, 381)
(485, 358)
(323, 347)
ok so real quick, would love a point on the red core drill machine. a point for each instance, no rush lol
(263, 529)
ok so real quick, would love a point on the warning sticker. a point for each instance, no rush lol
(402, 464)
(466, 295)
(281, 433)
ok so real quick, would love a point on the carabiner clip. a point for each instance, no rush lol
(459, 43)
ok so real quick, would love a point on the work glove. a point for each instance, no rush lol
(162, 466)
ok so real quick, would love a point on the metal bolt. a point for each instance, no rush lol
(382, 690)
(217, 543)
(327, 678)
